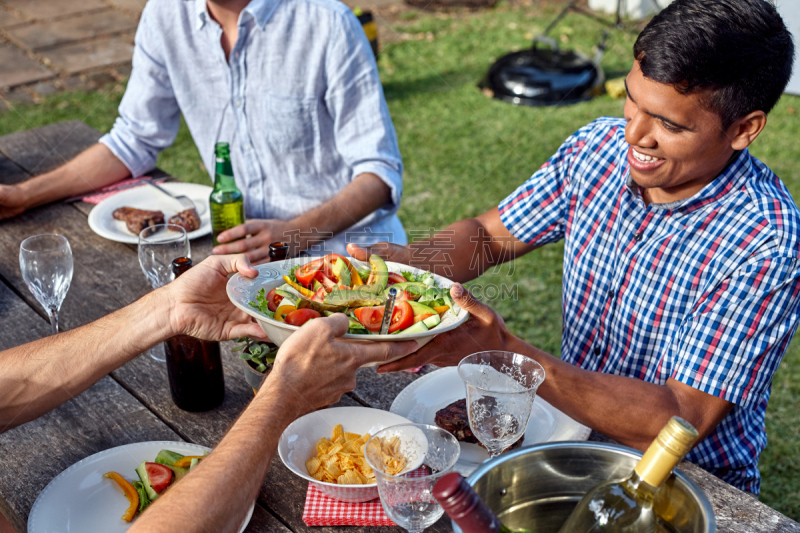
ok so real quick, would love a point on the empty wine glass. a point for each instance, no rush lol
(159, 245)
(501, 387)
(46, 265)
(407, 497)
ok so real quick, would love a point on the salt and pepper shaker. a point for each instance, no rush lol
(388, 310)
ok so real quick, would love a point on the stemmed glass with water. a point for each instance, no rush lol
(501, 387)
(46, 265)
(159, 245)
(430, 453)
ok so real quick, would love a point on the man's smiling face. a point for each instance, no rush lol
(677, 146)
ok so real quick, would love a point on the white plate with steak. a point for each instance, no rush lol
(439, 392)
(120, 227)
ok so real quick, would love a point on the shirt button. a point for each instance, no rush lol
(611, 293)
(596, 349)
(637, 236)
(238, 102)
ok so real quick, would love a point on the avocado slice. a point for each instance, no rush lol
(341, 272)
(414, 287)
(142, 471)
(379, 272)
(359, 297)
(320, 307)
(421, 309)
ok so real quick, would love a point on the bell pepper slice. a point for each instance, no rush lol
(299, 288)
(282, 311)
(355, 278)
(186, 461)
(442, 309)
(130, 493)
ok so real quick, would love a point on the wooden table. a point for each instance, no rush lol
(133, 404)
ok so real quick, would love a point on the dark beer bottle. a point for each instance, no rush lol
(194, 366)
(278, 251)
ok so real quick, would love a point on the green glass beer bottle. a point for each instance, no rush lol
(226, 201)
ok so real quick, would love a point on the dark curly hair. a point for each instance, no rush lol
(739, 53)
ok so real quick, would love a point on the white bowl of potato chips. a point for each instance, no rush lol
(326, 448)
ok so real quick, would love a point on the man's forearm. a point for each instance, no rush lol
(95, 167)
(628, 410)
(362, 196)
(236, 467)
(39, 376)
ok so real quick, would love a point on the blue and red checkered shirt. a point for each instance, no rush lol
(703, 290)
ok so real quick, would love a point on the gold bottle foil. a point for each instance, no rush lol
(672, 443)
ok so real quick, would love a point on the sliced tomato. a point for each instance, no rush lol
(402, 316)
(372, 317)
(394, 277)
(326, 281)
(421, 317)
(301, 316)
(320, 295)
(305, 274)
(159, 476)
(405, 295)
(273, 300)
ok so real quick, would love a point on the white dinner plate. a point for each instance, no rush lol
(145, 197)
(81, 500)
(420, 400)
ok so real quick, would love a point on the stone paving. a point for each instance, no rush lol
(48, 45)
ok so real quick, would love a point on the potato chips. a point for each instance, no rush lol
(341, 459)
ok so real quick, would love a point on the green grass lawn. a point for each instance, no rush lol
(464, 153)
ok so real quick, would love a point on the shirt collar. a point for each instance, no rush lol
(731, 177)
(260, 10)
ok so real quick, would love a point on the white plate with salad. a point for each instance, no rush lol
(81, 500)
(286, 294)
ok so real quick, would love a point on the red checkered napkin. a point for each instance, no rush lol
(114, 188)
(321, 510)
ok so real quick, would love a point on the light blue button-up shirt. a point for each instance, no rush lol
(299, 100)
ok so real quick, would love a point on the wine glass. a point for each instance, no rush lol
(501, 387)
(407, 497)
(46, 265)
(159, 245)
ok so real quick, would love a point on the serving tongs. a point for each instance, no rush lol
(388, 310)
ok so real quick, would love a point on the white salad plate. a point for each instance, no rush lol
(242, 291)
(145, 197)
(421, 399)
(81, 500)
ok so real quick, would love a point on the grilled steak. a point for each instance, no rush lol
(454, 418)
(138, 219)
(188, 220)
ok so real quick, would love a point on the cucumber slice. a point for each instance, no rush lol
(167, 457)
(142, 471)
(432, 321)
(419, 327)
(288, 297)
(193, 464)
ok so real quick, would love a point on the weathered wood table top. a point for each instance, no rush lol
(133, 403)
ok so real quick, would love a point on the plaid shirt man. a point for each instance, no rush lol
(704, 290)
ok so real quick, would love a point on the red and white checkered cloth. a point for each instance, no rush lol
(321, 510)
(129, 183)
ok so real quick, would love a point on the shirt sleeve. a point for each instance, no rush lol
(735, 338)
(149, 116)
(363, 129)
(536, 212)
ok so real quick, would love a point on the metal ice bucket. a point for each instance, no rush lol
(537, 487)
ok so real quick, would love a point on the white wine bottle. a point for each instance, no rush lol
(626, 505)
